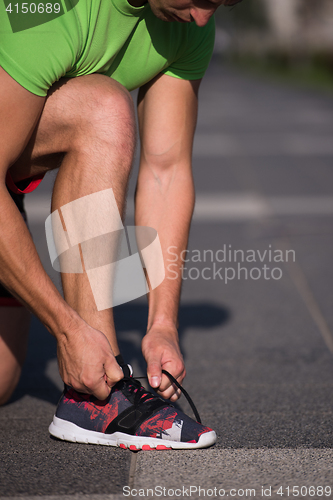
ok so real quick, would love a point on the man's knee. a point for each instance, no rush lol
(92, 116)
(102, 115)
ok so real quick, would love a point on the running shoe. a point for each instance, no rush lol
(131, 417)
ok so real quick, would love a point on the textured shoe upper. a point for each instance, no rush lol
(88, 412)
(129, 409)
(172, 425)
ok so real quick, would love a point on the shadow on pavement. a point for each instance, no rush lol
(36, 381)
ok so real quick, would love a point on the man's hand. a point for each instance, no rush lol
(160, 348)
(87, 363)
(167, 111)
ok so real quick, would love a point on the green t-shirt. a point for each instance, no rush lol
(109, 37)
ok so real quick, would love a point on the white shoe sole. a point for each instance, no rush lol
(67, 431)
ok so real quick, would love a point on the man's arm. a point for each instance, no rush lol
(167, 109)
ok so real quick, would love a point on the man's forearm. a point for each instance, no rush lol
(165, 201)
(22, 272)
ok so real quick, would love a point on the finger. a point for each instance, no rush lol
(168, 390)
(154, 372)
(167, 383)
(172, 393)
(166, 386)
(92, 385)
(171, 396)
(102, 391)
(112, 372)
(176, 396)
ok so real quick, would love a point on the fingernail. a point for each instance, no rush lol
(155, 381)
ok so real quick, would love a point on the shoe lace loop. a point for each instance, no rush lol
(141, 395)
(135, 387)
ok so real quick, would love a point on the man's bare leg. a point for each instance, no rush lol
(21, 270)
(104, 140)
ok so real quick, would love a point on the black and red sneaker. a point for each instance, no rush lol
(131, 417)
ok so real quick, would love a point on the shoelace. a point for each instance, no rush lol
(141, 395)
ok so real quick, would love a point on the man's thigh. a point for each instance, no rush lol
(74, 108)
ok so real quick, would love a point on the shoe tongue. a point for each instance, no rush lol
(127, 369)
(128, 372)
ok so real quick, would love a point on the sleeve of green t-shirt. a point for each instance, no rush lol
(194, 59)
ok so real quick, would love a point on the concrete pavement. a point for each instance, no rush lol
(255, 326)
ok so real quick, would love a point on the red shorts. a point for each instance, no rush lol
(9, 302)
(29, 184)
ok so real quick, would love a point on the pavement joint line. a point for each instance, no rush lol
(298, 277)
(132, 470)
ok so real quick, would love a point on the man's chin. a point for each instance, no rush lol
(163, 16)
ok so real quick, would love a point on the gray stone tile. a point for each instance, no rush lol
(235, 470)
(33, 463)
